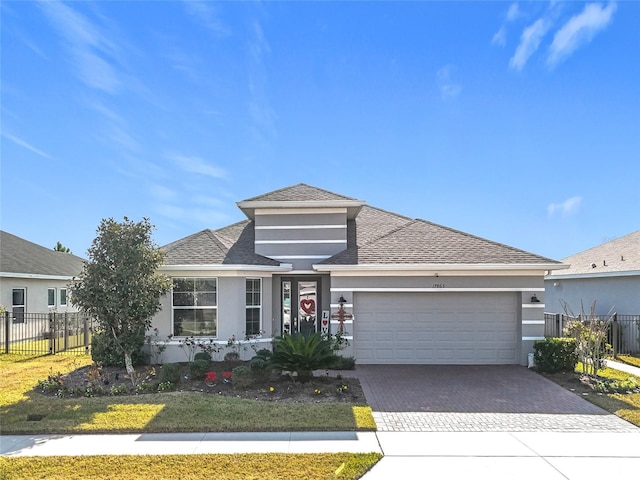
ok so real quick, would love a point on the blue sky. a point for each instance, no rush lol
(517, 122)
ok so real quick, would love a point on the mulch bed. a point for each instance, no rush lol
(326, 386)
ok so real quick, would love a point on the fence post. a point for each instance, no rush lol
(85, 322)
(7, 335)
(66, 331)
(558, 325)
(614, 332)
(52, 333)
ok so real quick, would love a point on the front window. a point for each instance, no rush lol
(254, 306)
(195, 307)
(18, 304)
(63, 297)
(51, 297)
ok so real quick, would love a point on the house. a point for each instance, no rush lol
(401, 290)
(608, 274)
(34, 279)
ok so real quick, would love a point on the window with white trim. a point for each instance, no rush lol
(18, 304)
(51, 297)
(63, 297)
(195, 307)
(253, 293)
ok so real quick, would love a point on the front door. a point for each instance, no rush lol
(299, 305)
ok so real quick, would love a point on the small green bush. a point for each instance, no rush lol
(264, 353)
(242, 377)
(231, 357)
(170, 373)
(339, 362)
(202, 356)
(104, 350)
(199, 368)
(555, 355)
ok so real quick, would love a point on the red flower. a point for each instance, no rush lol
(226, 375)
(211, 376)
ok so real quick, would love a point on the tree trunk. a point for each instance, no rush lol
(130, 370)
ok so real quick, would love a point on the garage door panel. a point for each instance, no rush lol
(457, 328)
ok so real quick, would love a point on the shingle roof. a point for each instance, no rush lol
(23, 257)
(299, 192)
(422, 242)
(619, 255)
(231, 245)
(375, 236)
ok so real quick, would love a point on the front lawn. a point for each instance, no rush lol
(24, 410)
(624, 405)
(633, 360)
(344, 466)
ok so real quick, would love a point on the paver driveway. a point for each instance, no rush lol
(501, 398)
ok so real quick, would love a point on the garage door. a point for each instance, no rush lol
(445, 328)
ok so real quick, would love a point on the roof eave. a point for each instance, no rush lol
(440, 267)
(249, 207)
(568, 276)
(283, 267)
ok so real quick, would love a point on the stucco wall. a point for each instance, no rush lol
(36, 294)
(231, 317)
(617, 294)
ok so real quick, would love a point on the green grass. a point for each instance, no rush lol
(344, 466)
(633, 360)
(158, 412)
(626, 406)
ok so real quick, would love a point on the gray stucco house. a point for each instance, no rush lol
(608, 274)
(34, 279)
(416, 292)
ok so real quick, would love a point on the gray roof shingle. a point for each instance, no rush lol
(300, 192)
(375, 236)
(619, 255)
(232, 245)
(422, 242)
(24, 257)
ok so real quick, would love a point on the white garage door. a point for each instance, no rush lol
(445, 328)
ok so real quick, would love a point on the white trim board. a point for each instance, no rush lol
(428, 289)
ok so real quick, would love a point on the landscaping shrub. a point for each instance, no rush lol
(232, 356)
(170, 373)
(202, 356)
(199, 368)
(242, 377)
(104, 350)
(555, 355)
(302, 354)
(338, 362)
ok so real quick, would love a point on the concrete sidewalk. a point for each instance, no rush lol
(623, 367)
(188, 443)
(451, 455)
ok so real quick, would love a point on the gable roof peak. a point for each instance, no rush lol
(300, 195)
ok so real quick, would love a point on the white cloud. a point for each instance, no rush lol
(28, 146)
(579, 30)
(198, 166)
(513, 12)
(500, 37)
(529, 43)
(448, 88)
(88, 47)
(566, 208)
(206, 14)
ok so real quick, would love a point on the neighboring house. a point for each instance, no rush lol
(412, 291)
(608, 274)
(34, 279)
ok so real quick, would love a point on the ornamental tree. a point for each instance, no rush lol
(120, 285)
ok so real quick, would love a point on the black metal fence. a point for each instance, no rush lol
(623, 333)
(46, 333)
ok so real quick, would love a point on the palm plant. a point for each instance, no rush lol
(302, 354)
